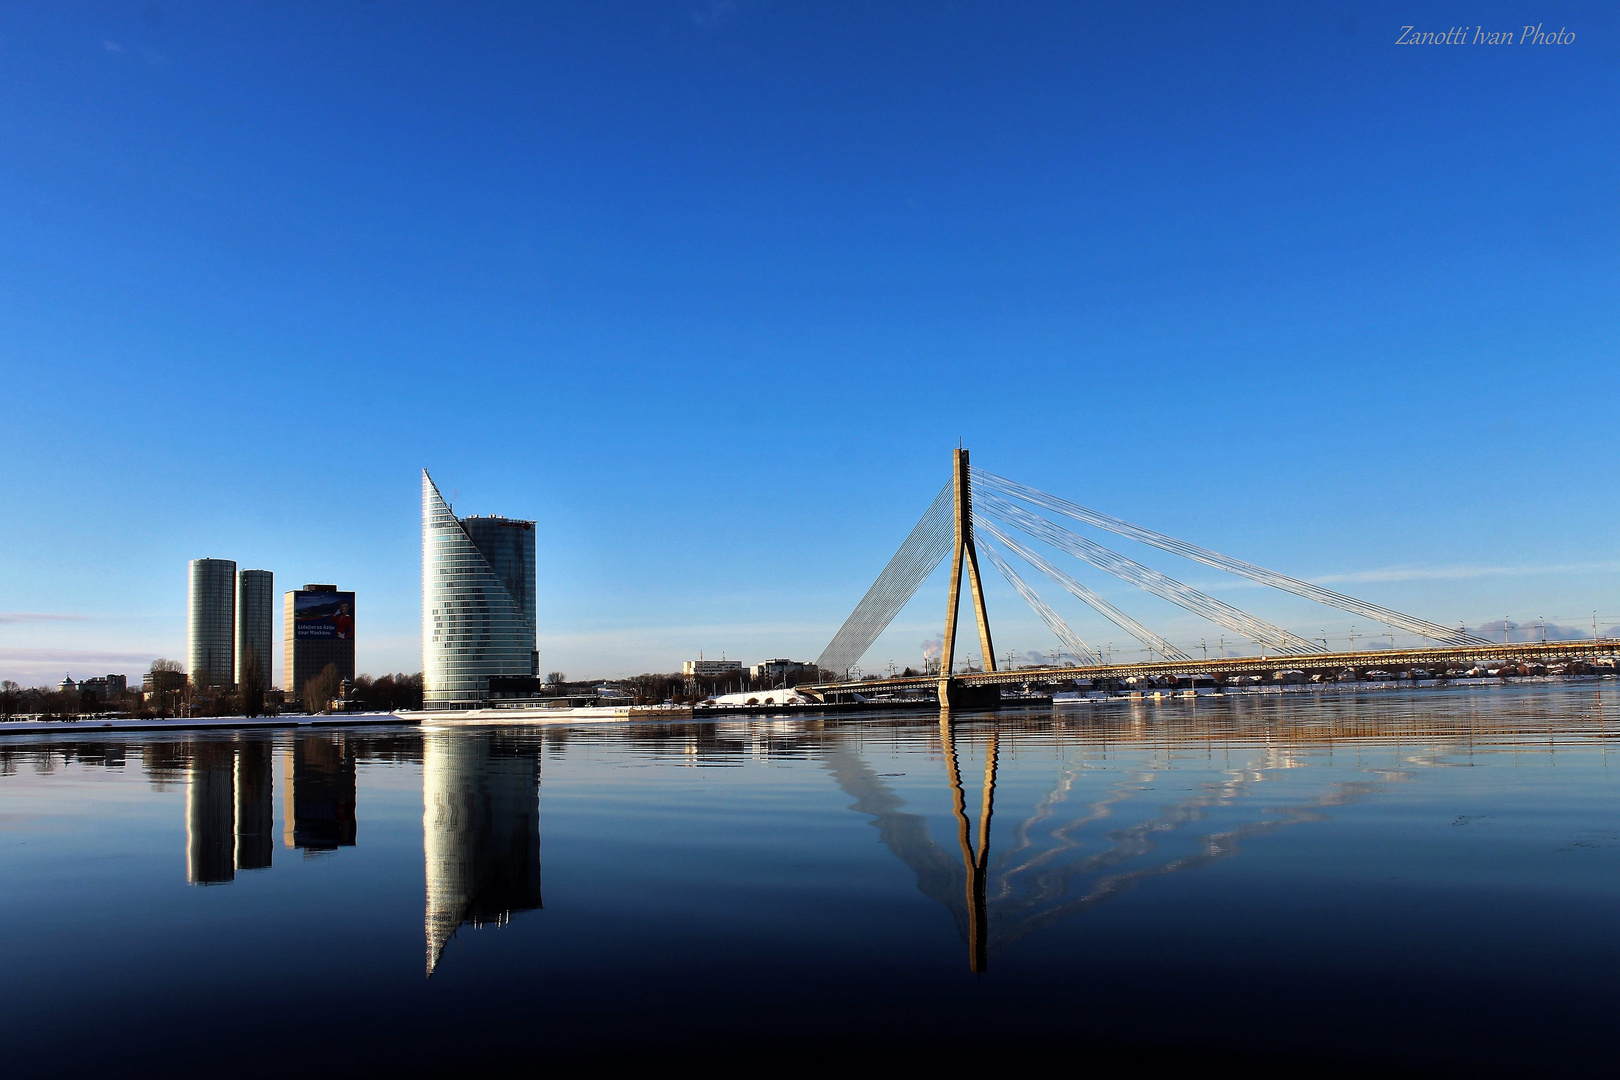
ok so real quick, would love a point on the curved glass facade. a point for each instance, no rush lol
(255, 624)
(477, 602)
(211, 622)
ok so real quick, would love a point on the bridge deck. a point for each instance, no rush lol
(1541, 652)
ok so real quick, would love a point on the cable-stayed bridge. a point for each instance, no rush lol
(979, 510)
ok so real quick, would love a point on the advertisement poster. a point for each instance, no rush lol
(323, 615)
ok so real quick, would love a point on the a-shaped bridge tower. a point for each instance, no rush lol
(958, 522)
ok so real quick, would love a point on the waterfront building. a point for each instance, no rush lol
(255, 624)
(104, 687)
(480, 834)
(211, 622)
(162, 682)
(711, 667)
(780, 668)
(478, 590)
(67, 685)
(318, 629)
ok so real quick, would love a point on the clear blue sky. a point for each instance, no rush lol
(711, 289)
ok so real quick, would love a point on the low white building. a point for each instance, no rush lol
(762, 697)
(711, 667)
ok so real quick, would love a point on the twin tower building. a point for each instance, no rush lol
(230, 628)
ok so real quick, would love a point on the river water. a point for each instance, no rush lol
(1424, 880)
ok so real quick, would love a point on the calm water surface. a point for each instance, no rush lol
(1427, 879)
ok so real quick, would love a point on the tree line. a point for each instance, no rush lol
(173, 694)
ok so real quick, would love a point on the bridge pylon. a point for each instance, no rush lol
(963, 556)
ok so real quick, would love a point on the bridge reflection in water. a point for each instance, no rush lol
(1056, 867)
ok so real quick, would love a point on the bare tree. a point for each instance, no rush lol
(253, 685)
(319, 691)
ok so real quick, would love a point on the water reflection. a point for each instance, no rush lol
(1057, 865)
(255, 805)
(229, 810)
(320, 810)
(1094, 808)
(974, 863)
(480, 821)
(480, 833)
(211, 814)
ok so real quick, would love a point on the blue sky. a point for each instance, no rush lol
(712, 289)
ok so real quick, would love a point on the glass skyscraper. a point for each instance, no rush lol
(211, 622)
(477, 602)
(255, 624)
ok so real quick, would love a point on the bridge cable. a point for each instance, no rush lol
(1054, 622)
(1184, 596)
(1097, 603)
(924, 549)
(1409, 623)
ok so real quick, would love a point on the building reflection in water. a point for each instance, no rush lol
(480, 833)
(319, 810)
(211, 814)
(229, 809)
(230, 802)
(255, 806)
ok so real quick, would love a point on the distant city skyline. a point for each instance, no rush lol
(712, 298)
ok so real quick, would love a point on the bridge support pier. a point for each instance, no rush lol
(954, 694)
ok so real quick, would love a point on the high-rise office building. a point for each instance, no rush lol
(211, 622)
(477, 603)
(318, 628)
(255, 624)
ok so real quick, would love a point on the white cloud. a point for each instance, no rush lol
(1456, 573)
(8, 617)
(1533, 631)
(45, 667)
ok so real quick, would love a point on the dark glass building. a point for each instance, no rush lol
(211, 622)
(255, 625)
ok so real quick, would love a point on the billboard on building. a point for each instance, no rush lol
(323, 615)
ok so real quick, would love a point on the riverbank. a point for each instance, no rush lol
(195, 723)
